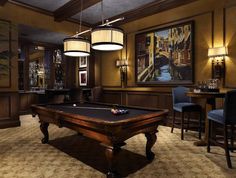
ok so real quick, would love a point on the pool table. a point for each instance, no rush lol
(96, 121)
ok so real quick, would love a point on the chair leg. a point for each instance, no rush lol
(227, 147)
(232, 137)
(186, 130)
(209, 136)
(173, 122)
(182, 126)
(200, 126)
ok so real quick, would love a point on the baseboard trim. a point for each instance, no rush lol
(9, 123)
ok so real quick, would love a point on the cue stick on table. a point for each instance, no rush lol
(89, 108)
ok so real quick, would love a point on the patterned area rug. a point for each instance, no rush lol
(69, 155)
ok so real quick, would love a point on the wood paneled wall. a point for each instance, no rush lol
(26, 100)
(149, 99)
(9, 98)
(9, 112)
(214, 26)
(153, 98)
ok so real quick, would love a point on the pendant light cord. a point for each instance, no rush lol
(102, 12)
(102, 15)
(81, 8)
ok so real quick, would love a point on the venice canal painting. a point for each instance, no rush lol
(165, 56)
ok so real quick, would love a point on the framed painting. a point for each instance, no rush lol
(5, 54)
(165, 56)
(83, 78)
(82, 62)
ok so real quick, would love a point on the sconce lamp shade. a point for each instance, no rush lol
(76, 47)
(120, 63)
(107, 38)
(218, 52)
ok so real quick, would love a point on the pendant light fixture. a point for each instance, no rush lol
(77, 46)
(107, 38)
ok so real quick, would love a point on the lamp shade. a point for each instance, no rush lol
(76, 47)
(217, 52)
(107, 38)
(120, 63)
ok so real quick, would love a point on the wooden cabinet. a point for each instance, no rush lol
(45, 68)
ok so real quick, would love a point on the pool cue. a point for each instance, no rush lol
(94, 108)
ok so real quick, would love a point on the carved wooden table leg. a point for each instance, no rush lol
(111, 155)
(44, 129)
(151, 140)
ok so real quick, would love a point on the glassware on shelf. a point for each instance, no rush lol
(213, 84)
(204, 85)
(197, 89)
(58, 85)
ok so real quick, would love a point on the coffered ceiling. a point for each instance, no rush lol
(49, 5)
(69, 10)
(111, 8)
(29, 33)
(91, 9)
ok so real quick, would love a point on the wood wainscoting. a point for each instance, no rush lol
(26, 99)
(142, 98)
(151, 98)
(9, 111)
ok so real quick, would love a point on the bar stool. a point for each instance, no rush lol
(225, 117)
(183, 104)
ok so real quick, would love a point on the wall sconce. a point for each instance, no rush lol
(122, 64)
(218, 61)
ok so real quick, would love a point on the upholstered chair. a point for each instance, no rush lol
(226, 118)
(183, 105)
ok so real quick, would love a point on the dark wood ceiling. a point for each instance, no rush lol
(70, 9)
(2, 2)
(149, 9)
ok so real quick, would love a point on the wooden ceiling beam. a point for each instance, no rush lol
(3, 2)
(148, 9)
(43, 11)
(85, 24)
(71, 8)
(33, 8)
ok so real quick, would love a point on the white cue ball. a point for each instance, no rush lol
(74, 105)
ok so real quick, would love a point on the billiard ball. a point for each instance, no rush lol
(74, 105)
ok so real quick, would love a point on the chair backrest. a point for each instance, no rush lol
(230, 107)
(179, 95)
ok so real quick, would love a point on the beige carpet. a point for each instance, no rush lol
(71, 156)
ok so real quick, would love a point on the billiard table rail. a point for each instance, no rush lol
(155, 112)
